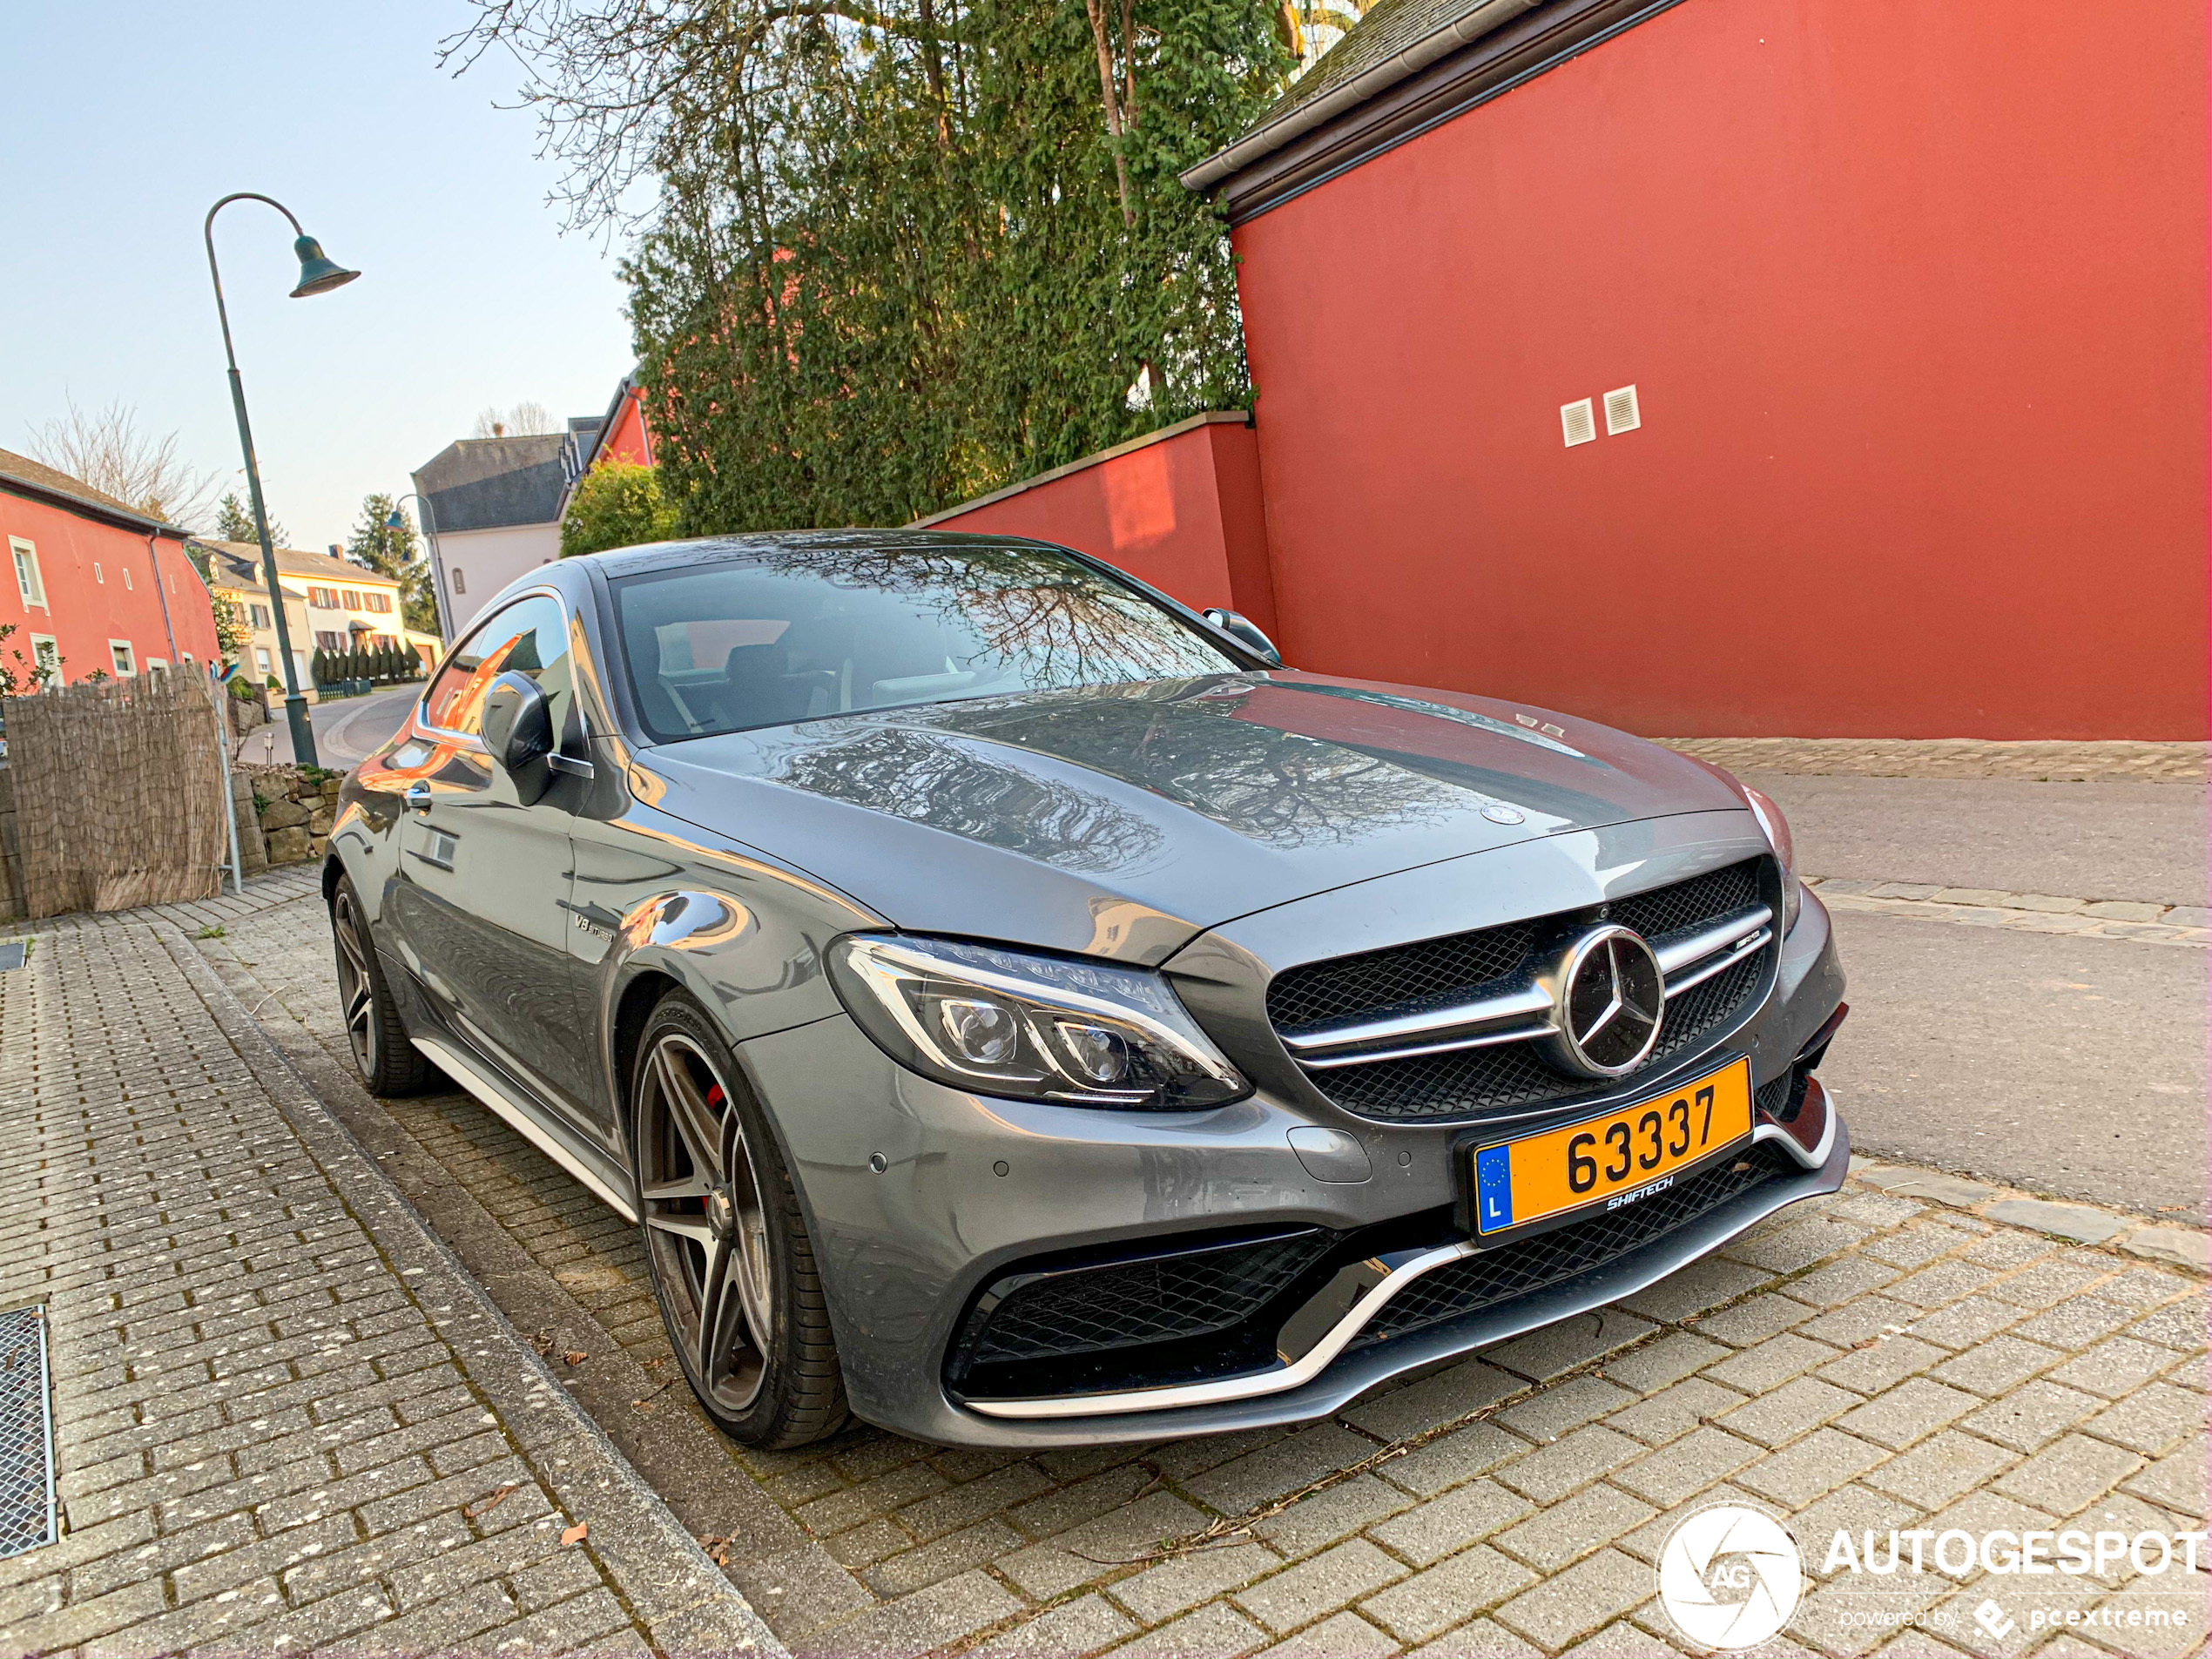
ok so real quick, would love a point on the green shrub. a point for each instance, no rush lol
(617, 505)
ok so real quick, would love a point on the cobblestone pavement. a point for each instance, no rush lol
(2040, 762)
(286, 1421)
(1919, 1351)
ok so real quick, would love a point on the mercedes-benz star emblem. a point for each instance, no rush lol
(1611, 998)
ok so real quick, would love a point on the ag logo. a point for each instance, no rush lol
(1729, 1577)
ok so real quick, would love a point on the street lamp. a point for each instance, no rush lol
(317, 275)
(398, 521)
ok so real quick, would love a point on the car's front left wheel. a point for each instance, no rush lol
(731, 1264)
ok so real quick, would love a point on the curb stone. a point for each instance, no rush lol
(2080, 1223)
(2034, 913)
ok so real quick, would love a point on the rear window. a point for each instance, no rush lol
(800, 633)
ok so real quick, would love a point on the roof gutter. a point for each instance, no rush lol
(122, 515)
(1302, 119)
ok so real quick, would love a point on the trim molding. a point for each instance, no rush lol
(1518, 50)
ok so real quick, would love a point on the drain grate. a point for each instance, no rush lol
(26, 1434)
(13, 953)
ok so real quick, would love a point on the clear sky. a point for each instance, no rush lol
(125, 122)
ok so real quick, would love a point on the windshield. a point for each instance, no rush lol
(797, 632)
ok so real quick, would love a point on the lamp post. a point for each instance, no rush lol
(317, 275)
(398, 521)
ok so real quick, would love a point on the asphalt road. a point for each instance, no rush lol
(2071, 1066)
(2142, 842)
(2064, 1065)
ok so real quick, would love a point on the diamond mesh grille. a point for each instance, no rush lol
(1128, 1304)
(1550, 1258)
(1688, 904)
(1432, 970)
(1474, 1081)
(26, 1434)
(1513, 1074)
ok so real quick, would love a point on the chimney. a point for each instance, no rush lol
(499, 429)
(336, 551)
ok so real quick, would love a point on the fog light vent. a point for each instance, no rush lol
(26, 1434)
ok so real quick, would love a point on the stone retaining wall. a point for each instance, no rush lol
(293, 810)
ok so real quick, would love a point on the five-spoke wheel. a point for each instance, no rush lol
(704, 1220)
(725, 1240)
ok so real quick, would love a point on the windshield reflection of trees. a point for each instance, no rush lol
(1179, 738)
(1031, 611)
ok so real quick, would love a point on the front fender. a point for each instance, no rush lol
(749, 954)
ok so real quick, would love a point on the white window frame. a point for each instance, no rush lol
(120, 652)
(40, 643)
(156, 665)
(127, 578)
(26, 559)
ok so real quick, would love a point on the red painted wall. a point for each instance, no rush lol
(630, 439)
(1914, 296)
(85, 608)
(1181, 510)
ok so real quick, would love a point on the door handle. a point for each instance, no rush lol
(417, 797)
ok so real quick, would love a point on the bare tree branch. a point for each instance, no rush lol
(107, 449)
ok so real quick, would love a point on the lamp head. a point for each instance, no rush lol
(317, 273)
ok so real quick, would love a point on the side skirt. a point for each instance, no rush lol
(525, 1122)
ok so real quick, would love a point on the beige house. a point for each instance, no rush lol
(331, 604)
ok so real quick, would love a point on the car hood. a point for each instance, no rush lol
(1123, 820)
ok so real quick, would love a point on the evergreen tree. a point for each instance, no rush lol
(395, 551)
(234, 522)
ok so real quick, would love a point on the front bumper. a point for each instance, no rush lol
(970, 1187)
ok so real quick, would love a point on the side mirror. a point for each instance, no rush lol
(1246, 633)
(518, 731)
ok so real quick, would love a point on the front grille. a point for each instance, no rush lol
(1551, 1258)
(1432, 970)
(1128, 1304)
(1470, 1082)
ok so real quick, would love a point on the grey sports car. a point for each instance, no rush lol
(1019, 1011)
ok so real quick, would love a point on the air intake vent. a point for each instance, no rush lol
(1578, 423)
(1620, 412)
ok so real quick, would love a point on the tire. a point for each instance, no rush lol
(726, 1241)
(389, 1064)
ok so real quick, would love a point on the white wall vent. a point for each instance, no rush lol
(1578, 423)
(1620, 412)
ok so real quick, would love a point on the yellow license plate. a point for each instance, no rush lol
(1615, 1159)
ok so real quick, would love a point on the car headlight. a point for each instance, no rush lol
(1785, 850)
(997, 1021)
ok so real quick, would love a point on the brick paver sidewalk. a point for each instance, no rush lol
(286, 1420)
(1896, 1355)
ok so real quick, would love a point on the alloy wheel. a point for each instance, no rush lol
(705, 1223)
(356, 991)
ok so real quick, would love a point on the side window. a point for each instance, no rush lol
(531, 637)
